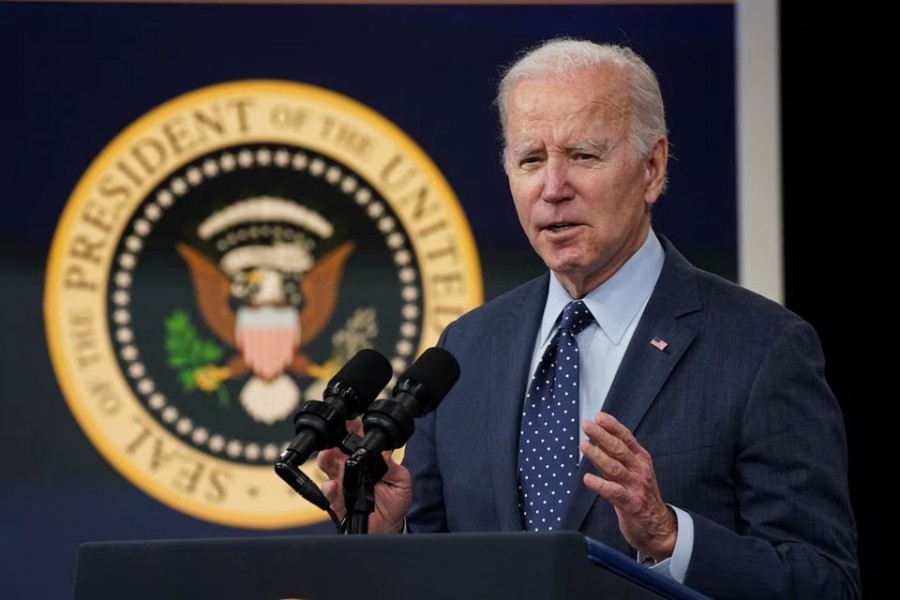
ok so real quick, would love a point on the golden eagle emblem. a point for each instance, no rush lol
(266, 301)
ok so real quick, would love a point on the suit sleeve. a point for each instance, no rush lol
(794, 535)
(427, 513)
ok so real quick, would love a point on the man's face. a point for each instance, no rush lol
(582, 193)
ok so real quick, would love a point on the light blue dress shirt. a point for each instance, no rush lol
(617, 305)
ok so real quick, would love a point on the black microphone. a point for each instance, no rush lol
(319, 425)
(389, 423)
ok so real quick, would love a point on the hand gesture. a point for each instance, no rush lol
(628, 481)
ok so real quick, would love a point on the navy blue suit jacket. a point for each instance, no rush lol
(743, 430)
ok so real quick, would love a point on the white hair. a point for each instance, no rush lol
(564, 56)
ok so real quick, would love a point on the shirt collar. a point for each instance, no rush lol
(615, 302)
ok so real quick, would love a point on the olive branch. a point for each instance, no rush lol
(187, 352)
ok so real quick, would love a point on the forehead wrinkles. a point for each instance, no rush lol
(586, 129)
(573, 110)
(599, 122)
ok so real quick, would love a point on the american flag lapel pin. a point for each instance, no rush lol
(659, 344)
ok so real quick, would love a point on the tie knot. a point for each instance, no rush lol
(575, 317)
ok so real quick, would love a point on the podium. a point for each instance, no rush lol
(452, 566)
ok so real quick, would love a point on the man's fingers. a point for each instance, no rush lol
(331, 461)
(609, 423)
(611, 467)
(611, 426)
(356, 426)
(608, 448)
(331, 489)
(612, 491)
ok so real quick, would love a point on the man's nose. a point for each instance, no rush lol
(556, 182)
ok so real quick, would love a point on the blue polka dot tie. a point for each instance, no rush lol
(548, 440)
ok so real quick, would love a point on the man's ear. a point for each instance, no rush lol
(655, 167)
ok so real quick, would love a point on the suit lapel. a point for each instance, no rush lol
(511, 351)
(657, 345)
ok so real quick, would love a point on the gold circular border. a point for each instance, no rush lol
(54, 297)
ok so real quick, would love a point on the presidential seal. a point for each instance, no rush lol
(220, 260)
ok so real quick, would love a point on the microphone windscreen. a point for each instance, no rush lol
(366, 373)
(436, 370)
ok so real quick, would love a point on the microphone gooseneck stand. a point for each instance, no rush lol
(388, 425)
(362, 471)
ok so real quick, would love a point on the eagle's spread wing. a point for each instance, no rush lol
(320, 290)
(212, 288)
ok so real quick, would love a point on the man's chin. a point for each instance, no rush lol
(565, 263)
(576, 276)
